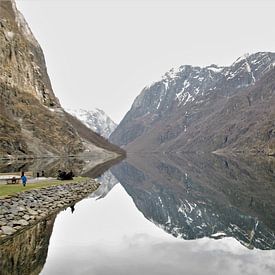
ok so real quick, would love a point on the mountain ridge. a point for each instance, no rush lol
(185, 100)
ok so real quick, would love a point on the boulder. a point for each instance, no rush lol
(7, 230)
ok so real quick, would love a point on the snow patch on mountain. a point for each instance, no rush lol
(97, 120)
(188, 82)
(241, 58)
(215, 68)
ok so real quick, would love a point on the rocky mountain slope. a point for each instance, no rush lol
(32, 122)
(230, 109)
(97, 120)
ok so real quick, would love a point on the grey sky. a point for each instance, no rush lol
(102, 53)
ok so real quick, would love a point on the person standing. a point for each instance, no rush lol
(24, 179)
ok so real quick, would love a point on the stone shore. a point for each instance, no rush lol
(27, 208)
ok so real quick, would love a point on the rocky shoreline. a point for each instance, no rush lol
(28, 208)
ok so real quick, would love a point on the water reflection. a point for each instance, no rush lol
(26, 253)
(129, 225)
(195, 196)
(88, 166)
(110, 236)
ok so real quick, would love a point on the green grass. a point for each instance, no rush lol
(12, 189)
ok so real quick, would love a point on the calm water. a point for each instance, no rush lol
(160, 215)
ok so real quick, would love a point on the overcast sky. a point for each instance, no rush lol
(100, 54)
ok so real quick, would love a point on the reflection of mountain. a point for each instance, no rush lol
(106, 179)
(85, 166)
(49, 165)
(196, 196)
(26, 253)
(107, 182)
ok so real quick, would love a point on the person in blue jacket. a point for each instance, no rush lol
(24, 179)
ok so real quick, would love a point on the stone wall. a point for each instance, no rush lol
(27, 208)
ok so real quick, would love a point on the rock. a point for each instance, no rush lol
(17, 227)
(26, 217)
(10, 217)
(21, 208)
(2, 223)
(20, 222)
(32, 212)
(14, 211)
(7, 230)
(4, 211)
(26, 208)
(10, 223)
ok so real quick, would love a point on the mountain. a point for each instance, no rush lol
(97, 120)
(224, 109)
(32, 121)
(194, 196)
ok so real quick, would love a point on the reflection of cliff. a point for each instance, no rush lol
(26, 253)
(196, 196)
(105, 178)
(49, 165)
(95, 171)
(107, 182)
(84, 166)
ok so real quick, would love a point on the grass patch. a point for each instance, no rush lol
(12, 189)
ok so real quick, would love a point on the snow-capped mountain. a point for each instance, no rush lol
(97, 120)
(186, 83)
(206, 109)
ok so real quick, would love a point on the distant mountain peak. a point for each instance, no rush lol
(96, 119)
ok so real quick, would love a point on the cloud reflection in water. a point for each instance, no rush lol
(117, 239)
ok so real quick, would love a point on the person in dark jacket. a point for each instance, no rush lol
(24, 179)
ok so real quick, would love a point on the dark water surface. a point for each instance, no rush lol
(188, 214)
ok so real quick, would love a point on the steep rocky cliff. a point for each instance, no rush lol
(32, 122)
(206, 109)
